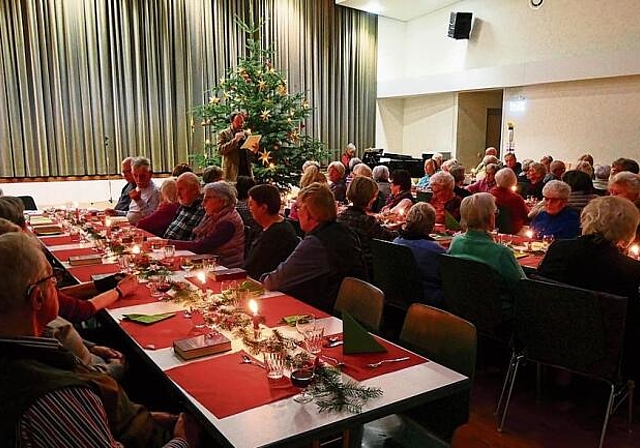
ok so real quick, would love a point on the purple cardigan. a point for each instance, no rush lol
(158, 222)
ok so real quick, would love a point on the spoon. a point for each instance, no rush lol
(246, 359)
(337, 363)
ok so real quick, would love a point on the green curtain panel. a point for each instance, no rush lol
(85, 83)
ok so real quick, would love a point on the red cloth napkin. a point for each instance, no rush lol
(226, 387)
(161, 334)
(63, 255)
(59, 240)
(273, 309)
(84, 273)
(140, 297)
(356, 365)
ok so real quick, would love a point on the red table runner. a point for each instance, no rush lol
(246, 386)
(63, 255)
(356, 365)
(273, 309)
(162, 334)
(59, 240)
(84, 273)
(141, 296)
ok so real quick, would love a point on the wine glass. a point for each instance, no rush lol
(186, 265)
(305, 324)
(302, 378)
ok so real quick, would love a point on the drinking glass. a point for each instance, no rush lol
(302, 378)
(313, 340)
(208, 264)
(124, 262)
(187, 265)
(274, 364)
(305, 324)
(158, 250)
(169, 251)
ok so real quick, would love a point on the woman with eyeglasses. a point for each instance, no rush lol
(557, 219)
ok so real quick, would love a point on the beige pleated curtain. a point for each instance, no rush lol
(84, 83)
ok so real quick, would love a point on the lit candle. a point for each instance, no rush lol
(514, 188)
(529, 234)
(253, 306)
(135, 250)
(634, 250)
(202, 277)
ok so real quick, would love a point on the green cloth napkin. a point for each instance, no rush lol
(356, 338)
(450, 222)
(293, 319)
(148, 319)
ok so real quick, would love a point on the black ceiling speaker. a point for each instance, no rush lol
(460, 25)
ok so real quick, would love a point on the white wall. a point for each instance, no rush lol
(550, 50)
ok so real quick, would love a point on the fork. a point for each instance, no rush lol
(338, 364)
(373, 365)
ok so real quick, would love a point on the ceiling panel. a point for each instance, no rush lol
(403, 10)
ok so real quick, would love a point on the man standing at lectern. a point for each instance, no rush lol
(235, 159)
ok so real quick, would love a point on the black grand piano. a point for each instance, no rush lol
(378, 156)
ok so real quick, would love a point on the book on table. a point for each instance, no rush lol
(228, 274)
(85, 260)
(47, 229)
(202, 345)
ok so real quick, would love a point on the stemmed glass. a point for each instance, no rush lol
(302, 378)
(187, 265)
(312, 333)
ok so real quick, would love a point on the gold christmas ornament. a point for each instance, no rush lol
(265, 157)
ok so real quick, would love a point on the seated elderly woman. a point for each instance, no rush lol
(596, 261)
(362, 193)
(487, 182)
(478, 214)
(415, 235)
(335, 173)
(221, 231)
(627, 185)
(458, 173)
(430, 168)
(363, 170)
(400, 191)
(158, 222)
(535, 176)
(381, 176)
(444, 199)
(513, 210)
(557, 219)
(581, 188)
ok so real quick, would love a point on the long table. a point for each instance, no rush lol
(282, 422)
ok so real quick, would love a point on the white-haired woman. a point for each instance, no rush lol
(335, 173)
(509, 201)
(596, 261)
(557, 219)
(221, 231)
(627, 185)
(415, 235)
(444, 199)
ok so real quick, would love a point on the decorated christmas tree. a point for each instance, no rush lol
(273, 112)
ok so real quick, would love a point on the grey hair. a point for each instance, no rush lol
(444, 179)
(526, 164)
(308, 163)
(362, 169)
(476, 212)
(337, 165)
(140, 162)
(351, 146)
(21, 263)
(493, 167)
(602, 171)
(381, 173)
(353, 162)
(222, 190)
(189, 179)
(614, 218)
(629, 180)
(557, 188)
(490, 159)
(506, 178)
(420, 219)
(448, 164)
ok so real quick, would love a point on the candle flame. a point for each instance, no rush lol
(253, 306)
(202, 277)
(529, 234)
(107, 222)
(514, 188)
(635, 250)
(135, 250)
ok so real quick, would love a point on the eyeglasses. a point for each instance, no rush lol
(51, 277)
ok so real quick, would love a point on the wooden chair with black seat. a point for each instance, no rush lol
(395, 272)
(448, 340)
(361, 300)
(572, 329)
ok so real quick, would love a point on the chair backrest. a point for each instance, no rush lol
(477, 293)
(395, 272)
(442, 337)
(573, 328)
(503, 221)
(361, 300)
(29, 202)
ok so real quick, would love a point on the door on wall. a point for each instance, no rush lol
(494, 127)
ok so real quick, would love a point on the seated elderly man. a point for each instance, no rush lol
(511, 161)
(478, 214)
(335, 173)
(415, 235)
(55, 400)
(146, 196)
(122, 206)
(535, 176)
(509, 202)
(624, 164)
(627, 185)
(486, 183)
(557, 219)
(190, 212)
(556, 170)
(221, 232)
(278, 238)
(329, 252)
